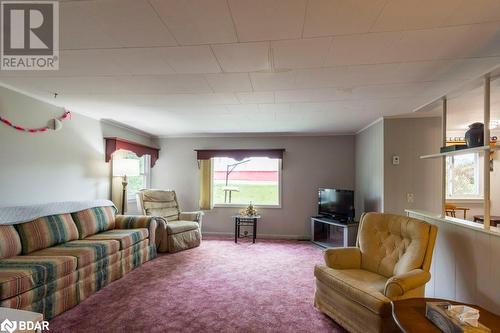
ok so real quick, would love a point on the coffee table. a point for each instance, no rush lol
(409, 315)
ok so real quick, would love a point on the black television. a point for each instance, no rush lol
(336, 204)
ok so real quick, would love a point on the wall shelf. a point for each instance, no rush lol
(462, 152)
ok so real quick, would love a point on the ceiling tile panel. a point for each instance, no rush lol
(474, 12)
(197, 22)
(113, 23)
(191, 59)
(414, 14)
(300, 53)
(243, 57)
(255, 97)
(80, 27)
(229, 82)
(273, 81)
(340, 17)
(113, 61)
(371, 48)
(260, 20)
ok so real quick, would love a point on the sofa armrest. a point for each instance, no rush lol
(153, 224)
(343, 258)
(398, 285)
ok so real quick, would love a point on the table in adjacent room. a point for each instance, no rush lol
(245, 221)
(494, 220)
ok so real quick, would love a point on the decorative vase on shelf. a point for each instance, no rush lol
(474, 137)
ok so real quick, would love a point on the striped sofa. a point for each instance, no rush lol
(52, 263)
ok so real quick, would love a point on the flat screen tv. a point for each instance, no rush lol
(336, 204)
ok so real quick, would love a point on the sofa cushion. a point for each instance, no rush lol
(46, 231)
(99, 265)
(94, 220)
(360, 286)
(126, 237)
(29, 297)
(177, 227)
(10, 244)
(22, 273)
(392, 244)
(86, 252)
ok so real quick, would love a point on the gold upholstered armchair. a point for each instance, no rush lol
(391, 261)
(182, 229)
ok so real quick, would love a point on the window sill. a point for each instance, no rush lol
(245, 206)
(465, 201)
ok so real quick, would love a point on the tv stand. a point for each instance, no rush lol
(329, 232)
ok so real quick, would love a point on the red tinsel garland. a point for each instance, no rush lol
(66, 115)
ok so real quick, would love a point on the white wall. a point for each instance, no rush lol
(309, 163)
(369, 150)
(465, 265)
(409, 138)
(52, 166)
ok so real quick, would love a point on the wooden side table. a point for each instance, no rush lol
(409, 315)
(240, 221)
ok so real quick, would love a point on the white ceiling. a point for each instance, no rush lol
(180, 67)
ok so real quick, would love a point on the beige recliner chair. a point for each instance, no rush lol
(391, 261)
(183, 229)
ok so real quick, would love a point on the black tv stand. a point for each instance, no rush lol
(330, 232)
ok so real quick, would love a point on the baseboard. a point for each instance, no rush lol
(261, 236)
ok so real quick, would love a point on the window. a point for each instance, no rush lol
(463, 177)
(136, 183)
(254, 179)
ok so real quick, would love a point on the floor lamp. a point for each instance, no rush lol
(126, 167)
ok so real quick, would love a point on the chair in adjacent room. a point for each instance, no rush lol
(183, 229)
(391, 261)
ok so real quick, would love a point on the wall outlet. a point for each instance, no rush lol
(395, 160)
(410, 197)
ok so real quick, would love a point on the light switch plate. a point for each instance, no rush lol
(395, 160)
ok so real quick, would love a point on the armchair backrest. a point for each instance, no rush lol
(393, 244)
(159, 203)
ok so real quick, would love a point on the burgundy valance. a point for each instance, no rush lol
(239, 154)
(113, 144)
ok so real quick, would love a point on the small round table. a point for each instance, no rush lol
(409, 315)
(240, 220)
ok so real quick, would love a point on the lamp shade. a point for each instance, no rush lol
(126, 167)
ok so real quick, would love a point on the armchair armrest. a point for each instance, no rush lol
(343, 258)
(153, 224)
(191, 216)
(398, 285)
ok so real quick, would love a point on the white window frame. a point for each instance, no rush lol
(147, 178)
(477, 176)
(237, 205)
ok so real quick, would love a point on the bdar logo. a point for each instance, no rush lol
(8, 326)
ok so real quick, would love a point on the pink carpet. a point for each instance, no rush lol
(218, 287)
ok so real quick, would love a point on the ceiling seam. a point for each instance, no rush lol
(378, 16)
(233, 21)
(259, 72)
(304, 20)
(163, 22)
(285, 39)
